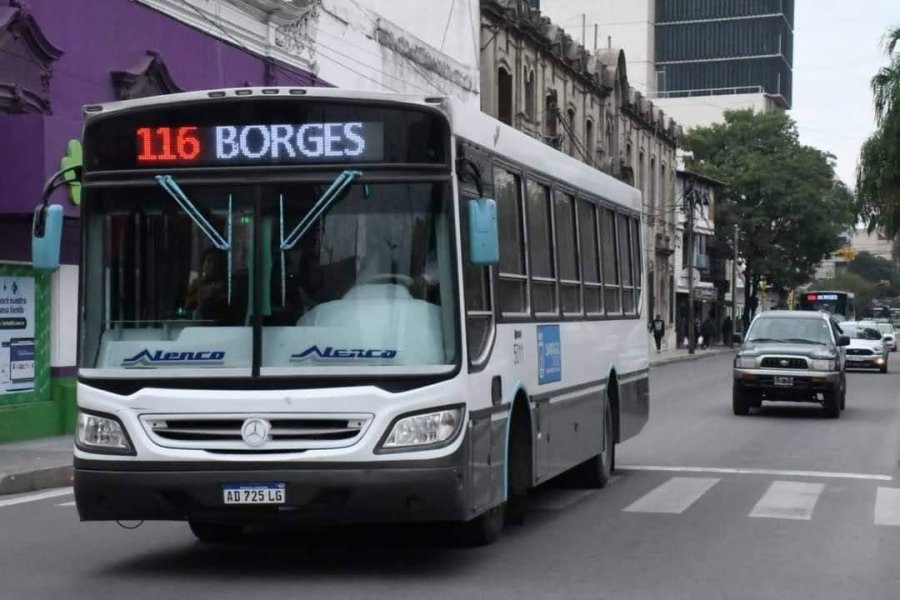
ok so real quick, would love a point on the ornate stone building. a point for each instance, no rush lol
(535, 77)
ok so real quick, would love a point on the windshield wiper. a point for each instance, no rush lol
(334, 191)
(766, 340)
(804, 341)
(168, 183)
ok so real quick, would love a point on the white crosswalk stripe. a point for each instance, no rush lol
(674, 496)
(887, 506)
(788, 500)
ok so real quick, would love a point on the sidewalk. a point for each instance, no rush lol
(35, 465)
(676, 355)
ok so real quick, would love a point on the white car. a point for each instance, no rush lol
(867, 348)
(887, 334)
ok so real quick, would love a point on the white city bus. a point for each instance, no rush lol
(294, 305)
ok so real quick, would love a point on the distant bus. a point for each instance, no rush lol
(838, 303)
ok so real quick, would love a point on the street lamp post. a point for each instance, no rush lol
(734, 287)
(689, 205)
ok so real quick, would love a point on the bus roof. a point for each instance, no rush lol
(466, 122)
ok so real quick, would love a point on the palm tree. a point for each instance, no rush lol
(878, 173)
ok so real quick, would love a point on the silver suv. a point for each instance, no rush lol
(795, 356)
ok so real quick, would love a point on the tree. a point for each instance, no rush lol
(875, 270)
(878, 173)
(790, 208)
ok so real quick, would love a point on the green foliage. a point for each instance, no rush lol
(784, 196)
(875, 270)
(878, 175)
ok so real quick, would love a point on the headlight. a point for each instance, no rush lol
(745, 362)
(822, 364)
(104, 435)
(425, 429)
(878, 348)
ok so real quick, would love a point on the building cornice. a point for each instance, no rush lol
(267, 28)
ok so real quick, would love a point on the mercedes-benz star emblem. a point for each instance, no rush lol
(255, 432)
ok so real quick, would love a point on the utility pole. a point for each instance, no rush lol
(734, 287)
(689, 205)
(596, 26)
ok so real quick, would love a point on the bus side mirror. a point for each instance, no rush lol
(484, 244)
(46, 236)
(843, 340)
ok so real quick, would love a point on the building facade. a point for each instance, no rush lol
(696, 58)
(540, 80)
(56, 57)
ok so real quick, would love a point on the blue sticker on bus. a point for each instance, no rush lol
(549, 354)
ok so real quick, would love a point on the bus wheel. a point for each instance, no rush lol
(486, 528)
(216, 533)
(596, 472)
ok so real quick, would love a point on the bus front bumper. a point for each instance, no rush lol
(400, 491)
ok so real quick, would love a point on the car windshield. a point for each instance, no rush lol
(886, 328)
(855, 331)
(362, 282)
(787, 330)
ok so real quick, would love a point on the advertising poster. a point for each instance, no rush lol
(16, 334)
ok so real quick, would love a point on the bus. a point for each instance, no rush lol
(319, 305)
(837, 303)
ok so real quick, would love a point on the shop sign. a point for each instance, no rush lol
(16, 334)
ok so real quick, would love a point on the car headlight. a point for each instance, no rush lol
(822, 364)
(423, 430)
(104, 435)
(745, 362)
(878, 348)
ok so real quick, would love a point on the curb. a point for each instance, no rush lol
(38, 479)
(690, 357)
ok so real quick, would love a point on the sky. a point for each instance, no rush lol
(837, 49)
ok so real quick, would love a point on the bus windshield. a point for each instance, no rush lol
(368, 284)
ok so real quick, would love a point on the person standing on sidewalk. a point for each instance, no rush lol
(727, 332)
(706, 330)
(659, 328)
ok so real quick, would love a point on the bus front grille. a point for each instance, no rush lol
(272, 432)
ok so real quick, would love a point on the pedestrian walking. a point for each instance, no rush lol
(706, 330)
(659, 328)
(727, 332)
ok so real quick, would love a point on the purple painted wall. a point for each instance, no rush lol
(98, 37)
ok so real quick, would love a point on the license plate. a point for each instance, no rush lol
(254, 493)
(857, 358)
(784, 381)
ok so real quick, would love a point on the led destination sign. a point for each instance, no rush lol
(275, 143)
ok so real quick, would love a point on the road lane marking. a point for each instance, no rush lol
(887, 506)
(674, 496)
(67, 504)
(35, 497)
(788, 500)
(774, 472)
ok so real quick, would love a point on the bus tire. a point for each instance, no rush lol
(216, 533)
(486, 528)
(597, 471)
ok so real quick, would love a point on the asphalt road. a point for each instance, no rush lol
(778, 505)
